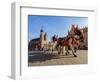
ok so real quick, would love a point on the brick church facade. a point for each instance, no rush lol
(38, 43)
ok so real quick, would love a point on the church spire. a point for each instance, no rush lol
(41, 29)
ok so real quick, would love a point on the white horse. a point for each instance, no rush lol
(51, 46)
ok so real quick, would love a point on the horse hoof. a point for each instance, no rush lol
(75, 55)
(66, 54)
(58, 52)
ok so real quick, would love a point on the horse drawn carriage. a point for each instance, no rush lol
(62, 45)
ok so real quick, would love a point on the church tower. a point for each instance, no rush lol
(43, 38)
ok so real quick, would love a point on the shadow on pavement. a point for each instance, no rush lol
(44, 57)
(40, 57)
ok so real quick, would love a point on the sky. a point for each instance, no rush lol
(53, 25)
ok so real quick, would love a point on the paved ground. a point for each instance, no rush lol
(82, 58)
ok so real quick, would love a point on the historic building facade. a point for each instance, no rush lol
(85, 35)
(84, 31)
(38, 43)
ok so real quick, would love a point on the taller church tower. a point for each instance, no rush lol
(43, 38)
